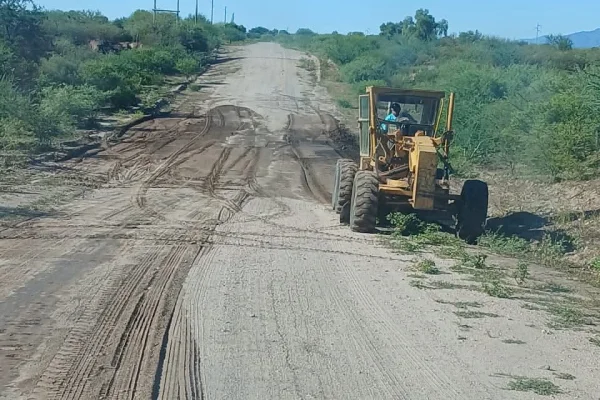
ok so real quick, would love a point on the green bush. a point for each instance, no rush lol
(188, 66)
(67, 107)
(363, 69)
(52, 82)
(60, 69)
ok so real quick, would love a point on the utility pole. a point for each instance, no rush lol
(212, 10)
(196, 15)
(157, 10)
(225, 20)
(537, 33)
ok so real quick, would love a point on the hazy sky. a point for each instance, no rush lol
(515, 19)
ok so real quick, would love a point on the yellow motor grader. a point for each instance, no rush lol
(404, 165)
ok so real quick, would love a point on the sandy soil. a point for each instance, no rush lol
(208, 265)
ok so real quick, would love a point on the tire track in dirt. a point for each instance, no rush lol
(134, 340)
(310, 183)
(180, 351)
(142, 290)
(145, 147)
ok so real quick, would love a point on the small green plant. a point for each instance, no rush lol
(344, 103)
(521, 273)
(410, 224)
(513, 341)
(194, 87)
(307, 64)
(553, 287)
(595, 340)
(470, 261)
(495, 288)
(427, 267)
(475, 314)
(565, 376)
(566, 317)
(595, 264)
(536, 385)
(462, 304)
(418, 284)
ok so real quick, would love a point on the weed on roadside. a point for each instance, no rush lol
(521, 273)
(495, 288)
(307, 64)
(595, 340)
(418, 284)
(566, 317)
(553, 288)
(548, 250)
(344, 104)
(476, 261)
(427, 267)
(513, 341)
(539, 386)
(475, 314)
(564, 376)
(462, 304)
(450, 285)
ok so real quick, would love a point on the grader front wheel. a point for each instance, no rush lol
(365, 202)
(345, 170)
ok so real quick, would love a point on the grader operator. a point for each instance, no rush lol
(404, 165)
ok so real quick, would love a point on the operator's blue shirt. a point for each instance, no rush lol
(390, 117)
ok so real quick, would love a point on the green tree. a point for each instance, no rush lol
(259, 30)
(21, 29)
(390, 29)
(561, 42)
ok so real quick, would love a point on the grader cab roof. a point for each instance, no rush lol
(384, 93)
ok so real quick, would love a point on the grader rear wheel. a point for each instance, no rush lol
(365, 202)
(472, 213)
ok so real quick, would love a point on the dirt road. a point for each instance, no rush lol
(209, 266)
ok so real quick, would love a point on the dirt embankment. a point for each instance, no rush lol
(206, 263)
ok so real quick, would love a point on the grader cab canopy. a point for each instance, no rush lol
(404, 163)
(421, 109)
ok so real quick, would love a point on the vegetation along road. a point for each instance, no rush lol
(200, 259)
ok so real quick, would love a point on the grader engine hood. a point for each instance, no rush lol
(423, 161)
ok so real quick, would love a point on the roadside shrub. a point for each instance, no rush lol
(363, 69)
(15, 134)
(188, 66)
(67, 107)
(60, 69)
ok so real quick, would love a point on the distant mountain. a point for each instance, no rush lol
(581, 40)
